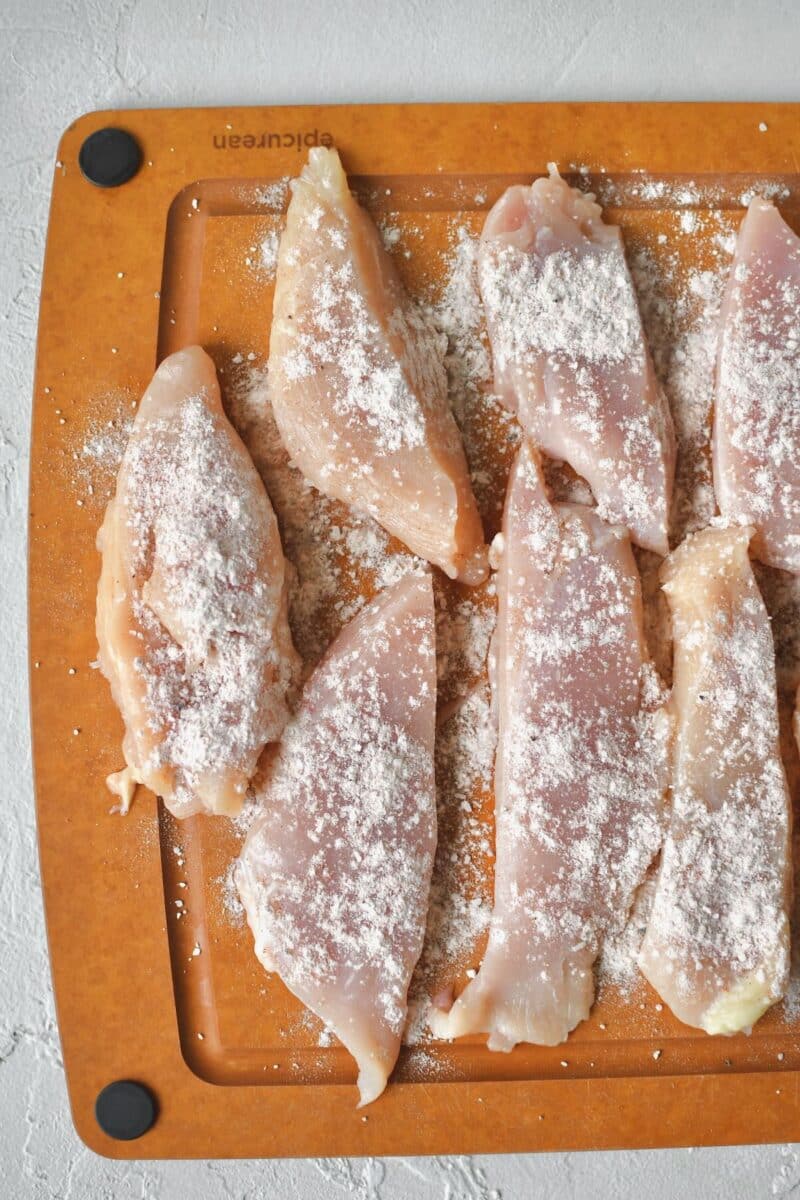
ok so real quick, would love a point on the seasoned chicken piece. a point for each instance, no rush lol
(717, 943)
(357, 381)
(191, 605)
(580, 771)
(335, 873)
(756, 438)
(569, 351)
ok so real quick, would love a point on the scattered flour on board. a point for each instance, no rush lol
(274, 196)
(331, 549)
(96, 461)
(422, 1064)
(395, 235)
(268, 259)
(390, 234)
(229, 897)
(617, 967)
(675, 193)
(327, 543)
(769, 189)
(489, 431)
(458, 312)
(104, 449)
(685, 368)
(460, 901)
(464, 627)
(262, 255)
(680, 312)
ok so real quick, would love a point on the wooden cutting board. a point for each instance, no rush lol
(133, 272)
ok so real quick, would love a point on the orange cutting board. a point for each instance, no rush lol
(132, 273)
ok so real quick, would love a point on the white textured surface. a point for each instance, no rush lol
(59, 59)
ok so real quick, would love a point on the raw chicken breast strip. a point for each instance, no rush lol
(717, 943)
(335, 873)
(191, 604)
(756, 437)
(580, 771)
(569, 351)
(357, 381)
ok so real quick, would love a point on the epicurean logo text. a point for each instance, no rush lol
(271, 141)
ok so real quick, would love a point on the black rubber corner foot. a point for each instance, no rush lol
(109, 157)
(125, 1110)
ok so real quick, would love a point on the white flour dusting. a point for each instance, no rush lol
(105, 448)
(390, 234)
(489, 431)
(718, 922)
(274, 196)
(769, 189)
(332, 550)
(569, 353)
(359, 385)
(617, 966)
(680, 312)
(460, 903)
(206, 688)
(758, 418)
(582, 759)
(343, 343)
(96, 461)
(335, 872)
(331, 332)
(268, 253)
(464, 627)
(581, 306)
(228, 894)
(459, 314)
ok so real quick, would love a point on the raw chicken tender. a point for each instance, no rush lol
(357, 381)
(580, 771)
(569, 351)
(756, 440)
(336, 870)
(717, 944)
(191, 604)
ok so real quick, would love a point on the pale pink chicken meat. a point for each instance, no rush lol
(191, 603)
(716, 947)
(581, 766)
(756, 436)
(335, 873)
(569, 351)
(357, 380)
